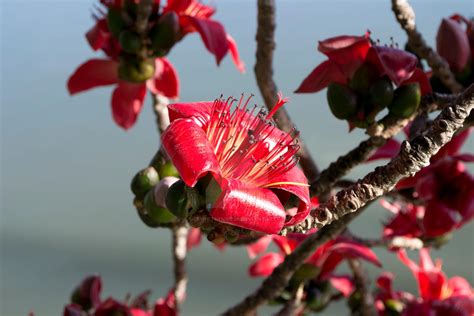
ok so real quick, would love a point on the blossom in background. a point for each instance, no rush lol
(360, 77)
(132, 66)
(86, 301)
(324, 260)
(438, 294)
(445, 187)
(250, 159)
(387, 300)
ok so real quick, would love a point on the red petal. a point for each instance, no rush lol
(397, 64)
(213, 35)
(187, 146)
(234, 52)
(200, 111)
(265, 265)
(342, 283)
(165, 306)
(288, 244)
(387, 151)
(349, 52)
(98, 35)
(438, 219)
(460, 286)
(165, 80)
(354, 250)
(249, 207)
(421, 78)
(71, 310)
(453, 147)
(93, 73)
(452, 44)
(258, 247)
(127, 102)
(194, 238)
(321, 77)
(139, 312)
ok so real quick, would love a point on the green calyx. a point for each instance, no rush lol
(135, 70)
(130, 42)
(165, 33)
(342, 101)
(381, 93)
(406, 100)
(362, 79)
(144, 181)
(168, 170)
(158, 214)
(182, 200)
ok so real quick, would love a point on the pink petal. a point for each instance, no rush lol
(258, 247)
(234, 52)
(460, 286)
(265, 265)
(200, 111)
(213, 35)
(139, 312)
(249, 207)
(397, 64)
(194, 238)
(342, 283)
(321, 77)
(165, 80)
(127, 102)
(187, 146)
(421, 78)
(452, 44)
(387, 151)
(93, 73)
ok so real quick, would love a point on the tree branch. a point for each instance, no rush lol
(367, 303)
(264, 75)
(294, 305)
(406, 18)
(180, 234)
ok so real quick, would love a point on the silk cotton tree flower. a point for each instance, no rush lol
(135, 62)
(249, 159)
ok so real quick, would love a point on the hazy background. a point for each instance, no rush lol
(65, 202)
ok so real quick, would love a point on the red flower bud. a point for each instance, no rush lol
(452, 44)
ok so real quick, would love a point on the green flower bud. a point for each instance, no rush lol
(394, 307)
(143, 181)
(362, 79)
(143, 214)
(182, 200)
(381, 93)
(168, 170)
(130, 41)
(158, 214)
(135, 70)
(306, 272)
(115, 22)
(342, 101)
(406, 100)
(165, 33)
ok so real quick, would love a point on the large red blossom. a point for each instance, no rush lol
(445, 186)
(438, 294)
(347, 53)
(251, 159)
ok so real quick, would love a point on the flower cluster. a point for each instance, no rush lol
(444, 191)
(438, 295)
(363, 79)
(86, 300)
(135, 60)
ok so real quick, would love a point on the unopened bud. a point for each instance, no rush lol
(342, 101)
(130, 41)
(165, 33)
(143, 181)
(182, 200)
(381, 93)
(406, 100)
(452, 44)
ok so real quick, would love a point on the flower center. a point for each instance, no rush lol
(247, 144)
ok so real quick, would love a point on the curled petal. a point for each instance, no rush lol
(397, 64)
(258, 247)
(387, 151)
(265, 265)
(127, 102)
(165, 81)
(234, 52)
(249, 207)
(213, 35)
(199, 111)
(189, 149)
(321, 77)
(343, 283)
(93, 73)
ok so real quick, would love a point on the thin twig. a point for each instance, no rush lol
(348, 203)
(160, 108)
(268, 88)
(367, 303)
(294, 305)
(406, 18)
(180, 234)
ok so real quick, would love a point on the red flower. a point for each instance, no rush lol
(386, 294)
(347, 53)
(452, 42)
(196, 17)
(251, 160)
(87, 294)
(407, 220)
(445, 186)
(165, 306)
(438, 294)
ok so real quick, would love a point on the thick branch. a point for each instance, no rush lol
(413, 156)
(367, 303)
(180, 234)
(264, 75)
(406, 18)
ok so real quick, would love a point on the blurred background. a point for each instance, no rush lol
(66, 207)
